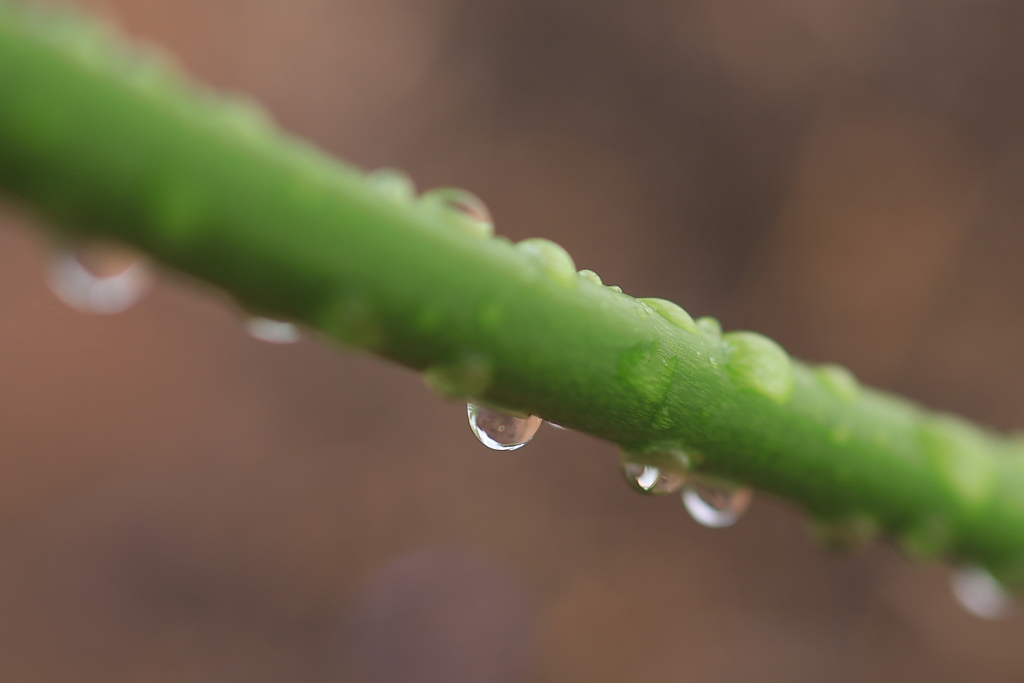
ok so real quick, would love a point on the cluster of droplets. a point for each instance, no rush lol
(716, 503)
(463, 208)
(106, 280)
(712, 502)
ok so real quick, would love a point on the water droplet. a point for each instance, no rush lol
(673, 313)
(553, 259)
(651, 480)
(394, 184)
(272, 331)
(756, 362)
(615, 288)
(838, 381)
(979, 593)
(501, 431)
(99, 280)
(655, 468)
(468, 210)
(558, 426)
(590, 276)
(715, 503)
(710, 326)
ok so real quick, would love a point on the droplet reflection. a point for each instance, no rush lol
(474, 214)
(101, 281)
(501, 431)
(718, 504)
(652, 481)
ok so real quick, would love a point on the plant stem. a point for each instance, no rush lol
(113, 144)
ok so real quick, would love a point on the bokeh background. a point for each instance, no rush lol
(181, 503)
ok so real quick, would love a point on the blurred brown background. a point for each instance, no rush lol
(181, 503)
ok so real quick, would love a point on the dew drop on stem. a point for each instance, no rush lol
(501, 431)
(552, 259)
(715, 503)
(470, 212)
(98, 280)
(272, 331)
(759, 364)
(394, 184)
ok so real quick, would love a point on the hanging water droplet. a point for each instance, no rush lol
(98, 280)
(979, 593)
(472, 214)
(650, 480)
(716, 504)
(272, 331)
(501, 431)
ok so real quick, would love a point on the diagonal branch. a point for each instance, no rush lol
(110, 143)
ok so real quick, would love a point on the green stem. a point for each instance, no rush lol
(114, 145)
